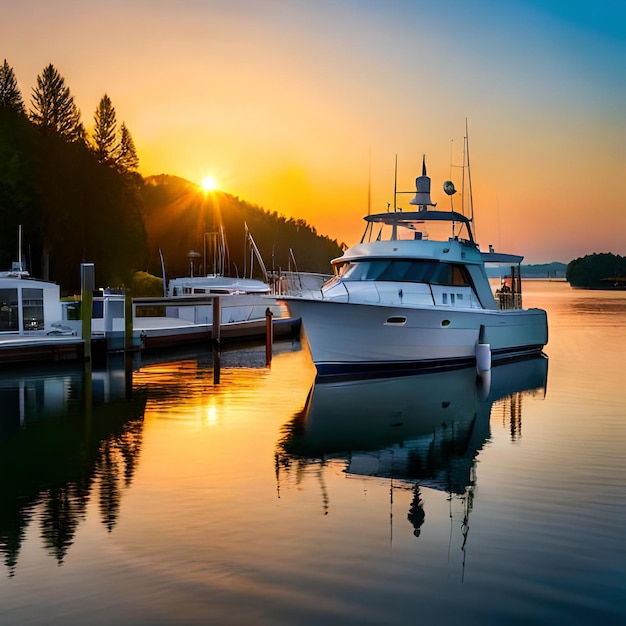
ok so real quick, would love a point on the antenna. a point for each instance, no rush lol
(451, 142)
(469, 176)
(395, 184)
(369, 184)
(19, 247)
(463, 176)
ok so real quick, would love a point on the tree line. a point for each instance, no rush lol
(597, 271)
(79, 198)
(76, 196)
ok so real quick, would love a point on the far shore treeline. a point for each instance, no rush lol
(79, 198)
(598, 271)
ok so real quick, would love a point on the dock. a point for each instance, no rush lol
(40, 349)
(148, 333)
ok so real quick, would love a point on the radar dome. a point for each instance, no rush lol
(448, 187)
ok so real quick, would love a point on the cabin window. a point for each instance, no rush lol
(97, 309)
(460, 276)
(8, 310)
(32, 307)
(450, 274)
(405, 270)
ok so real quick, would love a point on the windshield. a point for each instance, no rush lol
(403, 270)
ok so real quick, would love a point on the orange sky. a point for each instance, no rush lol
(294, 106)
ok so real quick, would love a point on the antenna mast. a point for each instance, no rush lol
(469, 174)
(369, 184)
(395, 184)
(19, 247)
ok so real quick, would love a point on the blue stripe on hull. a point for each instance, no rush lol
(383, 369)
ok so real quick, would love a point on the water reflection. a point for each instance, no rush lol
(68, 438)
(419, 431)
(64, 438)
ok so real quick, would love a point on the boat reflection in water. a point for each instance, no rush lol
(424, 430)
(65, 438)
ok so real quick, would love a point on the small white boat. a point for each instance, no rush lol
(31, 325)
(401, 301)
(28, 306)
(244, 304)
(216, 284)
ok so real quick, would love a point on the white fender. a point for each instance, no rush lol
(483, 357)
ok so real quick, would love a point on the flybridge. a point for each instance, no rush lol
(411, 219)
(400, 217)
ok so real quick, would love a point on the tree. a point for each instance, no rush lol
(126, 154)
(597, 271)
(10, 95)
(20, 201)
(53, 106)
(105, 129)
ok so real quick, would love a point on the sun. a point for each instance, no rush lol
(209, 183)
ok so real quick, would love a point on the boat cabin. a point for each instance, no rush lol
(27, 305)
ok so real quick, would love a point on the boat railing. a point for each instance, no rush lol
(354, 291)
(508, 301)
(509, 294)
(304, 284)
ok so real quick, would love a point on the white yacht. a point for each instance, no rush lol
(403, 301)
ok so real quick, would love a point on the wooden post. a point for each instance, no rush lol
(217, 321)
(87, 285)
(215, 337)
(128, 321)
(128, 344)
(269, 335)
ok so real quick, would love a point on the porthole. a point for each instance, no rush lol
(445, 323)
(395, 321)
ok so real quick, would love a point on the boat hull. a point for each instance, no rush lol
(351, 338)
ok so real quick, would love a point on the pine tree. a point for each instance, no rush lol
(105, 131)
(53, 106)
(126, 154)
(10, 95)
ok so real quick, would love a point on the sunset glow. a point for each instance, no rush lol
(302, 107)
(209, 183)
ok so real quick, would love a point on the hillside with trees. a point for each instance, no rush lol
(79, 198)
(598, 271)
(180, 220)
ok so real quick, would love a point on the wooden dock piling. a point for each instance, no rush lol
(87, 285)
(215, 338)
(269, 335)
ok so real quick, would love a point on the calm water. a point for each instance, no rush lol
(260, 500)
